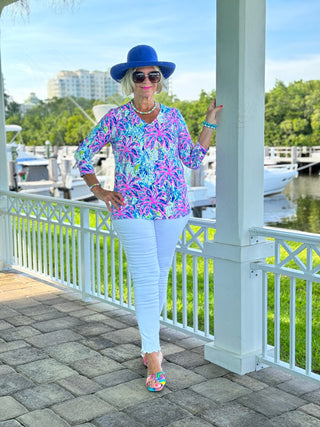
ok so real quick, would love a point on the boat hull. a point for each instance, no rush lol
(276, 178)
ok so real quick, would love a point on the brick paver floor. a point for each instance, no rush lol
(65, 362)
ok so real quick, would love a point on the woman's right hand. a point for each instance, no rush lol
(109, 197)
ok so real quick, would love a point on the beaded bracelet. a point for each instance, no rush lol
(209, 125)
(94, 185)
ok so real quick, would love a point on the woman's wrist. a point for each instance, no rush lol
(95, 187)
(209, 124)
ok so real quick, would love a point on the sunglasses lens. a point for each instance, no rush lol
(139, 77)
(154, 76)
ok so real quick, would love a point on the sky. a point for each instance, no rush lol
(96, 34)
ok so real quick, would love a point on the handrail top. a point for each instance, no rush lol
(210, 223)
(284, 233)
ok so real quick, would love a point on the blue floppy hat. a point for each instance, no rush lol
(141, 56)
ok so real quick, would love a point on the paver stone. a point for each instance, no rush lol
(82, 409)
(10, 408)
(46, 370)
(42, 418)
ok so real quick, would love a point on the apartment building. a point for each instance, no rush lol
(83, 84)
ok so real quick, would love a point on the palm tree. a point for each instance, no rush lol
(21, 5)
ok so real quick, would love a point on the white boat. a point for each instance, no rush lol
(31, 174)
(78, 188)
(276, 178)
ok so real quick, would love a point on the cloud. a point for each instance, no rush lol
(306, 68)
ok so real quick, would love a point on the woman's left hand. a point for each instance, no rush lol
(212, 112)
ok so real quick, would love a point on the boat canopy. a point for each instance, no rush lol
(13, 128)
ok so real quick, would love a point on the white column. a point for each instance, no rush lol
(240, 154)
(3, 146)
(4, 235)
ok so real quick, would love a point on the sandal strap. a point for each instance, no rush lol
(145, 361)
(158, 377)
(159, 381)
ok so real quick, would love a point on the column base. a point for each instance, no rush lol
(239, 364)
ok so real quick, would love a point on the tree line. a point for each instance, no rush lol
(292, 116)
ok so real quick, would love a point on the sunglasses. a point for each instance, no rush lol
(153, 76)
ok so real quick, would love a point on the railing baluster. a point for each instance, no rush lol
(40, 255)
(309, 314)
(120, 264)
(92, 290)
(105, 267)
(80, 259)
(113, 271)
(29, 244)
(20, 240)
(34, 245)
(98, 264)
(85, 248)
(206, 296)
(184, 292)
(14, 221)
(195, 293)
(292, 323)
(44, 248)
(67, 256)
(277, 305)
(264, 314)
(50, 237)
(174, 290)
(55, 246)
(277, 318)
(74, 260)
(309, 328)
(61, 232)
(24, 243)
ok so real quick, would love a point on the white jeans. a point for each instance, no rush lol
(149, 246)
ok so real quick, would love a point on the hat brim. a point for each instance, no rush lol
(118, 71)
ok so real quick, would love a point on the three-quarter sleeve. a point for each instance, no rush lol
(93, 143)
(190, 154)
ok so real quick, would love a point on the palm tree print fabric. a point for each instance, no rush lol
(149, 161)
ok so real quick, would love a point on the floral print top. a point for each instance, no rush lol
(149, 161)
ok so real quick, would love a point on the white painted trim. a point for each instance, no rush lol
(239, 363)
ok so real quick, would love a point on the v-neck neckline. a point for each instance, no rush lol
(141, 119)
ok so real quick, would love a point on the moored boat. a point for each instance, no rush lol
(29, 173)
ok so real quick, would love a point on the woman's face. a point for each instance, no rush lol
(146, 88)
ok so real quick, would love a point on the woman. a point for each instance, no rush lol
(149, 206)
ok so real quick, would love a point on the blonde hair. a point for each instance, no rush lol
(127, 84)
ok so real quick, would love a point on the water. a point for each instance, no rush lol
(297, 207)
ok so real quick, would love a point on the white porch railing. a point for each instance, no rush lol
(74, 244)
(291, 301)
